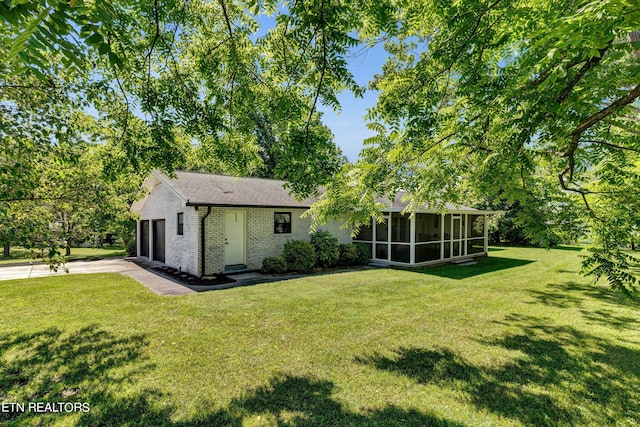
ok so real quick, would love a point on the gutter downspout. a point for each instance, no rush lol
(202, 240)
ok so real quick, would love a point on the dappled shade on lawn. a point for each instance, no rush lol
(552, 359)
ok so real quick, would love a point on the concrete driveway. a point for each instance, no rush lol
(153, 282)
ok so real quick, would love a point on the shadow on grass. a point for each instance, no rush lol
(581, 296)
(54, 366)
(484, 265)
(97, 367)
(285, 400)
(563, 376)
(568, 248)
(571, 294)
(561, 247)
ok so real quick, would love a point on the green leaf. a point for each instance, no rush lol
(20, 41)
(95, 39)
(104, 48)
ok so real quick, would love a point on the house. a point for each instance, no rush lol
(205, 224)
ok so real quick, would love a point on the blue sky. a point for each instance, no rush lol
(348, 126)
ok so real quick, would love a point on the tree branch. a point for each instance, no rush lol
(226, 18)
(592, 62)
(605, 112)
(322, 73)
(608, 144)
(156, 36)
(462, 48)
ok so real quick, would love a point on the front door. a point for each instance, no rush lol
(234, 239)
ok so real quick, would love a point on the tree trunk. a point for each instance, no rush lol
(633, 245)
(7, 249)
(67, 250)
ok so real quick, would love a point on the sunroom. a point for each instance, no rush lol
(425, 237)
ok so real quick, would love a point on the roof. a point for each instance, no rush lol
(397, 204)
(204, 189)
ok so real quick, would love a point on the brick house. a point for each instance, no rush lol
(205, 224)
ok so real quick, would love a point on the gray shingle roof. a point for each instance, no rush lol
(398, 204)
(222, 190)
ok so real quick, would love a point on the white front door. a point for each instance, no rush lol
(234, 237)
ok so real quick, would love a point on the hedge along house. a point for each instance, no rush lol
(206, 224)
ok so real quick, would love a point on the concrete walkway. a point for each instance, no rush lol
(153, 282)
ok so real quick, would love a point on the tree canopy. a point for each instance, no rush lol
(527, 102)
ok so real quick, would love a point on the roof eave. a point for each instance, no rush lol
(231, 205)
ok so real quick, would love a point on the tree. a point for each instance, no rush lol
(531, 102)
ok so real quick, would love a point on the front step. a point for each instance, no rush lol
(379, 264)
(464, 264)
(235, 268)
(460, 261)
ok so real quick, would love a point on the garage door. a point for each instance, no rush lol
(144, 238)
(158, 240)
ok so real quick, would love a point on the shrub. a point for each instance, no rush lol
(300, 255)
(326, 247)
(349, 255)
(274, 265)
(132, 248)
(363, 254)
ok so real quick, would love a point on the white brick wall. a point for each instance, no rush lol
(260, 240)
(180, 251)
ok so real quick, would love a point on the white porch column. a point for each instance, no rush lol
(412, 239)
(442, 216)
(486, 236)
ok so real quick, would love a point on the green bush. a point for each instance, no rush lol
(132, 248)
(326, 247)
(349, 255)
(300, 256)
(363, 254)
(274, 265)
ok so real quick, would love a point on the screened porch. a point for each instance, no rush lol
(425, 237)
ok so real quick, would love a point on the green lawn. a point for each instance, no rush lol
(19, 255)
(519, 339)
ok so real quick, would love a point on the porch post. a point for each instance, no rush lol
(442, 217)
(486, 236)
(412, 238)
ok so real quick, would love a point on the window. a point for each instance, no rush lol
(365, 233)
(180, 223)
(382, 230)
(282, 223)
(427, 227)
(400, 228)
(475, 226)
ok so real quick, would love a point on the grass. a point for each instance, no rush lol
(518, 339)
(19, 255)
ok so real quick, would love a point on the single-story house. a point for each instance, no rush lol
(206, 224)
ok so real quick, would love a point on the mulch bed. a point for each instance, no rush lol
(190, 279)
